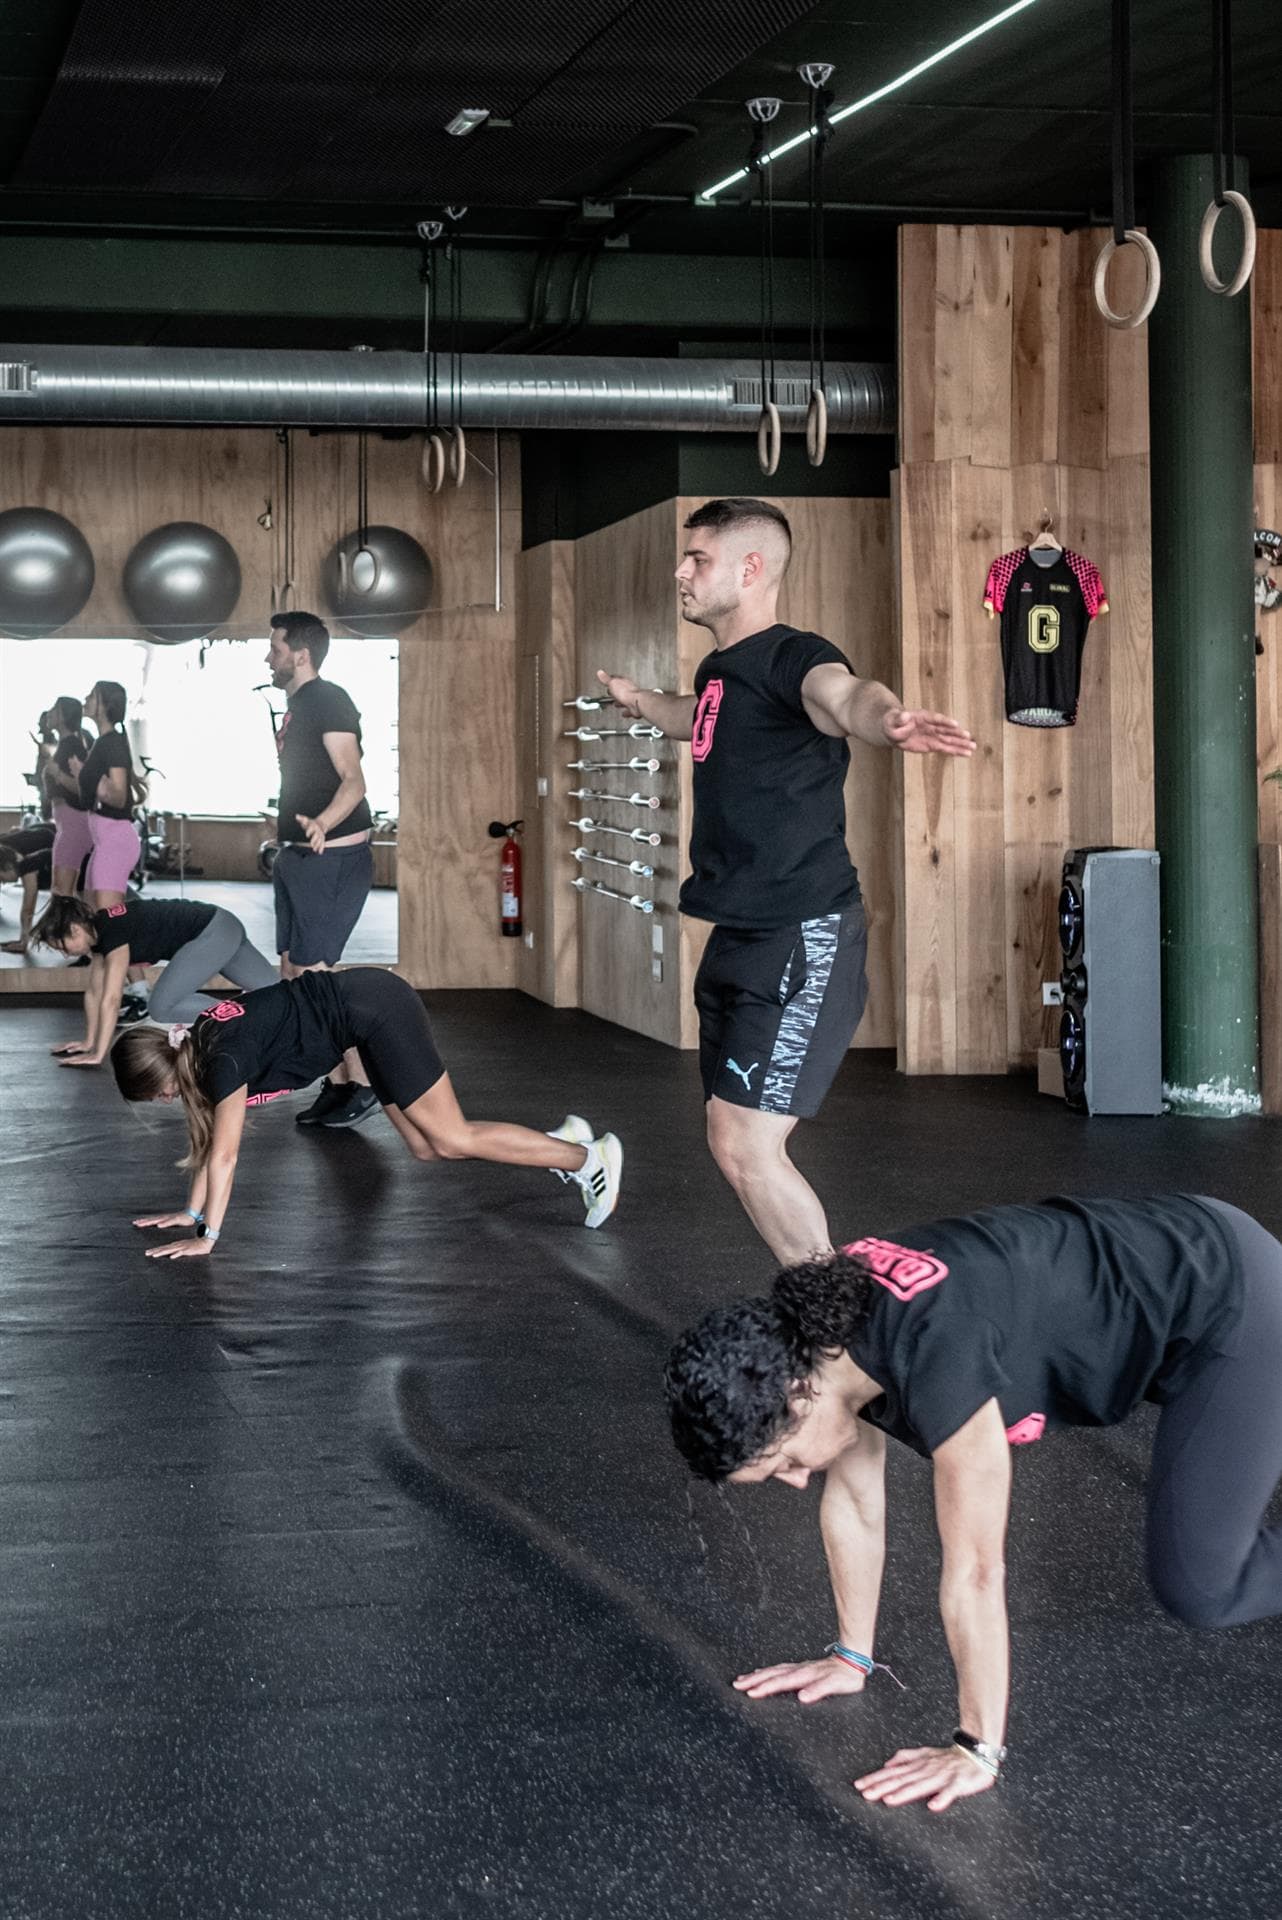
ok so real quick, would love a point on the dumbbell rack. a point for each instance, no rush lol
(625, 749)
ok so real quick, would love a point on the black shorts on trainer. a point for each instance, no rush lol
(387, 1023)
(778, 1010)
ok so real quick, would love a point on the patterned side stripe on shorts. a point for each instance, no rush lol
(799, 1019)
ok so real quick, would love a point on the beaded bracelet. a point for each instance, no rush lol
(864, 1662)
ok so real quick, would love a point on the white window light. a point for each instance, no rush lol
(467, 120)
(870, 99)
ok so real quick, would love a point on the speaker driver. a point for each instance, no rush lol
(1072, 1053)
(1072, 922)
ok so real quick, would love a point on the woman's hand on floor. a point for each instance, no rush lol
(182, 1250)
(945, 1773)
(810, 1680)
(181, 1218)
(80, 1060)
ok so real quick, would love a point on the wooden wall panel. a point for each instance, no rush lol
(983, 841)
(548, 957)
(916, 358)
(626, 621)
(926, 577)
(1266, 333)
(1035, 262)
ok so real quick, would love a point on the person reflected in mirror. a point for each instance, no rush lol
(109, 792)
(190, 940)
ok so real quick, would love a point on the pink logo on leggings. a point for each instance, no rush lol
(1025, 1431)
(116, 913)
(905, 1271)
(225, 1010)
(705, 719)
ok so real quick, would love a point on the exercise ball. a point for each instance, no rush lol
(46, 572)
(181, 581)
(380, 586)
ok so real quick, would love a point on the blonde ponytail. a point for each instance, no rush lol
(143, 1059)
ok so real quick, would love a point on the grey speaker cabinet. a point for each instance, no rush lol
(1110, 1034)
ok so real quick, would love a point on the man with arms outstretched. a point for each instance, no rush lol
(781, 987)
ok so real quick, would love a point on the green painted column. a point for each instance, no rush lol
(1203, 655)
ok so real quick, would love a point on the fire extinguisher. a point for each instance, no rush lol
(509, 876)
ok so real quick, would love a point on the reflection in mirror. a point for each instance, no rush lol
(201, 722)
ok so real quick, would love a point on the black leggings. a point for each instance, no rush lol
(1217, 1460)
(389, 1028)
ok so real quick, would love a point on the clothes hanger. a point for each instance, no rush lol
(1045, 541)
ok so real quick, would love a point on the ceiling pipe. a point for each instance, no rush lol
(215, 386)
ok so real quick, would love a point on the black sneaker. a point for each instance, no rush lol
(131, 1008)
(332, 1094)
(358, 1105)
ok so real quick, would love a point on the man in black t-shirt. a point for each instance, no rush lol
(781, 987)
(324, 868)
(964, 1339)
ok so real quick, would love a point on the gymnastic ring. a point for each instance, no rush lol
(1152, 285)
(434, 462)
(769, 438)
(817, 427)
(372, 557)
(1207, 236)
(458, 455)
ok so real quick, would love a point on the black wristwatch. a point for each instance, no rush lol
(982, 1751)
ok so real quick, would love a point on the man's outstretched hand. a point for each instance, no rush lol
(622, 691)
(913, 731)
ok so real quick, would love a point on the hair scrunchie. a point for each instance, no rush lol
(176, 1037)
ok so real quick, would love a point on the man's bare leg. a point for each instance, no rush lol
(751, 1150)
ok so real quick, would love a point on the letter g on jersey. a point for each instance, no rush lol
(225, 1010)
(903, 1271)
(705, 719)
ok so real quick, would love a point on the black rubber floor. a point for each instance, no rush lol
(353, 1574)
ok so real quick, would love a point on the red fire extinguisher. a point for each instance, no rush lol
(509, 876)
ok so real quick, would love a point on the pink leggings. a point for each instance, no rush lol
(71, 842)
(116, 847)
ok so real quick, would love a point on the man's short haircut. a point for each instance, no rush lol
(303, 630)
(724, 516)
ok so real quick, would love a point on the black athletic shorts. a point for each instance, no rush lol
(390, 1030)
(319, 899)
(778, 1010)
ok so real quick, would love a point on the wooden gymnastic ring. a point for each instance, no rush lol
(434, 462)
(817, 427)
(1152, 287)
(1207, 235)
(458, 455)
(769, 439)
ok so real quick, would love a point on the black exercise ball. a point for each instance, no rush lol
(46, 572)
(380, 587)
(181, 581)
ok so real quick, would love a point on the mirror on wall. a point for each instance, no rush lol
(201, 720)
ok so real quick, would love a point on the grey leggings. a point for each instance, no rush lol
(223, 948)
(1217, 1459)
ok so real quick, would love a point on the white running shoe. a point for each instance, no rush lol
(577, 1131)
(598, 1179)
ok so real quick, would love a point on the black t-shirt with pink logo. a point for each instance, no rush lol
(1068, 1314)
(768, 844)
(151, 929)
(273, 1041)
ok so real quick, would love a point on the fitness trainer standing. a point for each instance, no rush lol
(781, 986)
(324, 868)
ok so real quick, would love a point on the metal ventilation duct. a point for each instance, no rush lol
(163, 386)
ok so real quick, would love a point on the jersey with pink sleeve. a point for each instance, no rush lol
(1045, 600)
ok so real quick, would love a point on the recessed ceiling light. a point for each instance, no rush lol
(869, 99)
(467, 120)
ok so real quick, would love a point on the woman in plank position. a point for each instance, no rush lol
(962, 1339)
(196, 942)
(243, 1053)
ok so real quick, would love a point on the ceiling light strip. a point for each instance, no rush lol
(870, 99)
